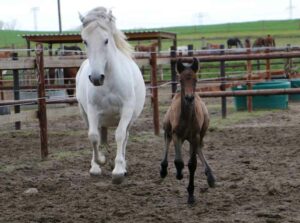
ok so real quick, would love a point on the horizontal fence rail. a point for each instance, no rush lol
(153, 59)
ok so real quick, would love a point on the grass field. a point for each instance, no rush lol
(285, 31)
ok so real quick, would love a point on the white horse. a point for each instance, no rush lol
(109, 88)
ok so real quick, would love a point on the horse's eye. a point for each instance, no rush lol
(106, 42)
(84, 42)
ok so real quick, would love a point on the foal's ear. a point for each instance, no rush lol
(180, 66)
(195, 65)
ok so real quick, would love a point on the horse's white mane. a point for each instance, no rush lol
(105, 19)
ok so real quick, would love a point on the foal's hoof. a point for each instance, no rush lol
(163, 173)
(179, 176)
(210, 179)
(118, 178)
(191, 200)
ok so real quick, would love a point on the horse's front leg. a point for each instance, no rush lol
(103, 144)
(179, 164)
(94, 138)
(119, 170)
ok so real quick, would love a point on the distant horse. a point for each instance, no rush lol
(270, 41)
(69, 50)
(234, 42)
(247, 43)
(213, 46)
(109, 88)
(264, 42)
(69, 72)
(5, 54)
(259, 42)
(144, 48)
(186, 119)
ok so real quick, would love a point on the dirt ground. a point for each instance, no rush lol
(256, 162)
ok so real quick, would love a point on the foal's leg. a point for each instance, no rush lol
(119, 170)
(192, 168)
(94, 138)
(164, 162)
(208, 172)
(179, 164)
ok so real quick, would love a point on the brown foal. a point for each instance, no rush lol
(186, 119)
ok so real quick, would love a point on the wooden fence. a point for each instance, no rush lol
(41, 62)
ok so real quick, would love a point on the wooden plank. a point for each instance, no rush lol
(59, 62)
(22, 64)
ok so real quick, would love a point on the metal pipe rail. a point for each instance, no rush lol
(202, 94)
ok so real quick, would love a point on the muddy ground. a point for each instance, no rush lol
(256, 162)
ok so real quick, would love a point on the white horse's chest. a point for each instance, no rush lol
(108, 106)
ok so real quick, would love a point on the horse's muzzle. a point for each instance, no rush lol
(189, 98)
(97, 80)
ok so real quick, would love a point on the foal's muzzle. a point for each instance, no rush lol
(97, 80)
(189, 98)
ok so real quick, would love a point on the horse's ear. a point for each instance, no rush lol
(81, 17)
(180, 66)
(195, 65)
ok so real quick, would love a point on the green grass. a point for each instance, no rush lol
(284, 31)
(237, 117)
(281, 29)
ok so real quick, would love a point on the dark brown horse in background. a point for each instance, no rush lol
(69, 73)
(234, 42)
(267, 41)
(186, 119)
(146, 48)
(5, 54)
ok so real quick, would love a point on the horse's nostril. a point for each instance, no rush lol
(189, 98)
(102, 77)
(97, 81)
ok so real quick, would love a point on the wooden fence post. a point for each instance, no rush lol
(42, 110)
(249, 84)
(153, 62)
(173, 70)
(223, 87)
(16, 90)
(268, 66)
(1, 85)
(190, 50)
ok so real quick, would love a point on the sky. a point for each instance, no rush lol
(42, 15)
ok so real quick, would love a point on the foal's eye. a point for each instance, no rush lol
(84, 42)
(106, 42)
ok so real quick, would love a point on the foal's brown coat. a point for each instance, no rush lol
(187, 119)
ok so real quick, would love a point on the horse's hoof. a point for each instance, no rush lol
(210, 178)
(102, 160)
(118, 178)
(191, 200)
(163, 173)
(95, 171)
(179, 176)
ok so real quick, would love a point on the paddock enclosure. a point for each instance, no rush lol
(255, 160)
(255, 156)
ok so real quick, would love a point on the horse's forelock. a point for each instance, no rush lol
(99, 13)
(103, 18)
